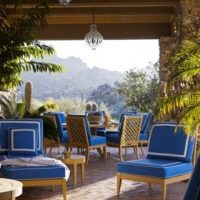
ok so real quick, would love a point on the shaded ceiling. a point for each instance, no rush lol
(115, 19)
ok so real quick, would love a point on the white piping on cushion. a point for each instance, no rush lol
(165, 154)
(25, 122)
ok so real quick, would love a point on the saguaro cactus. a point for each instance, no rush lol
(88, 107)
(28, 95)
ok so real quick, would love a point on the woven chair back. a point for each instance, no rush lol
(131, 130)
(77, 131)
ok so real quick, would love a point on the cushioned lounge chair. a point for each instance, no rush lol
(169, 159)
(128, 135)
(80, 135)
(24, 139)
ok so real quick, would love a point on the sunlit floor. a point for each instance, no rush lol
(100, 184)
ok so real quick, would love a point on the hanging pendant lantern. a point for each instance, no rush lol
(93, 38)
(64, 2)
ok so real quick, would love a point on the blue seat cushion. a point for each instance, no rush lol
(155, 168)
(97, 140)
(27, 173)
(169, 142)
(64, 139)
(101, 132)
(106, 132)
(113, 138)
(143, 136)
(29, 144)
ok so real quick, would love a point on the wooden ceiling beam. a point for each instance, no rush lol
(105, 4)
(107, 19)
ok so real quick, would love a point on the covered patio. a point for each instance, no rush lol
(139, 19)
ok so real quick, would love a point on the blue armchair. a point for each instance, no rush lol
(80, 135)
(128, 135)
(169, 159)
(59, 120)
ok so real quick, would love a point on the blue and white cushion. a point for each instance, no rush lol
(23, 142)
(169, 142)
(6, 125)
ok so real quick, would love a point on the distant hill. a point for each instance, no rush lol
(77, 82)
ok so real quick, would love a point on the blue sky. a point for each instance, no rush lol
(119, 55)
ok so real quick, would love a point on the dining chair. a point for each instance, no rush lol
(58, 119)
(128, 135)
(80, 136)
(147, 121)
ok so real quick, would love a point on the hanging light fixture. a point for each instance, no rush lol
(64, 2)
(93, 38)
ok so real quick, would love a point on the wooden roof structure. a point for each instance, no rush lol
(115, 19)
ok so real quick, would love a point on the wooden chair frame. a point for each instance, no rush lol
(47, 182)
(130, 134)
(78, 136)
(150, 180)
(163, 182)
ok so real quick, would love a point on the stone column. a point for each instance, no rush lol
(184, 27)
(167, 45)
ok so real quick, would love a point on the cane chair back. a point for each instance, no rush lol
(77, 131)
(131, 130)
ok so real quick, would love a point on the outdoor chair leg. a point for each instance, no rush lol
(87, 156)
(142, 149)
(64, 189)
(105, 153)
(125, 150)
(119, 182)
(164, 190)
(136, 151)
(120, 154)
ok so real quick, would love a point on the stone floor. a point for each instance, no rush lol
(100, 184)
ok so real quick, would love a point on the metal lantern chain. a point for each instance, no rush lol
(93, 38)
(64, 2)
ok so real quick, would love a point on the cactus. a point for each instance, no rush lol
(88, 107)
(94, 107)
(28, 96)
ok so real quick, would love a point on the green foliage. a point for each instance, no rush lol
(183, 103)
(9, 107)
(140, 90)
(18, 46)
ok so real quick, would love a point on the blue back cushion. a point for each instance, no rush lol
(23, 142)
(60, 121)
(146, 122)
(87, 126)
(126, 114)
(6, 125)
(121, 120)
(167, 142)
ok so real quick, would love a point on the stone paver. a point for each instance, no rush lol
(100, 184)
